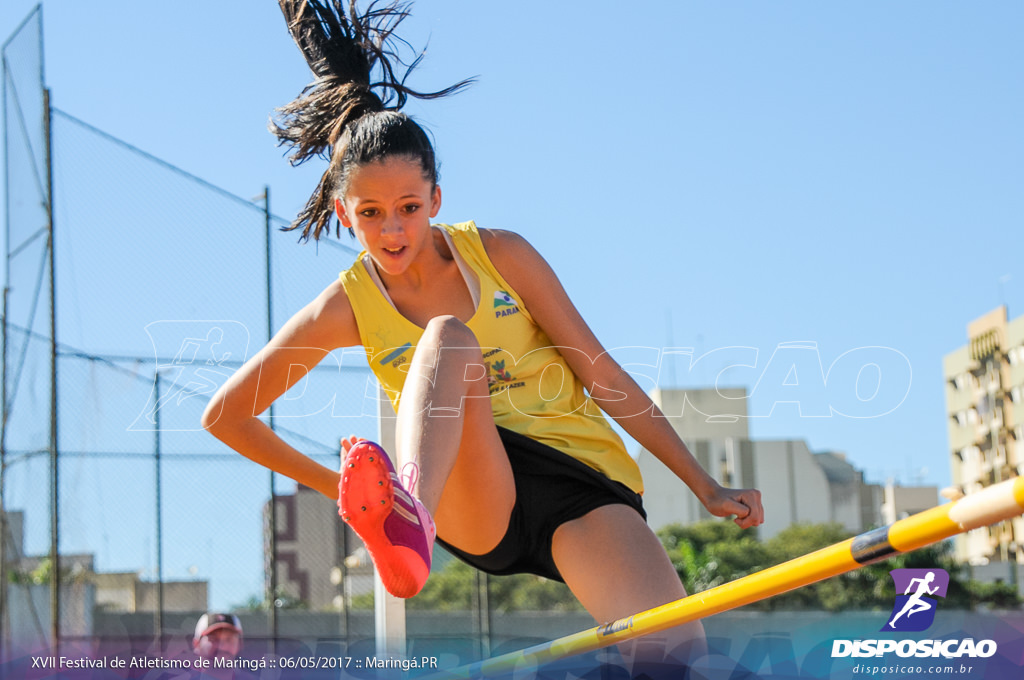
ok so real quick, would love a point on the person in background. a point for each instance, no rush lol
(218, 635)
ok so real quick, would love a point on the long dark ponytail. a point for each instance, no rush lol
(344, 115)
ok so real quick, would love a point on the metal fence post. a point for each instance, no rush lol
(54, 463)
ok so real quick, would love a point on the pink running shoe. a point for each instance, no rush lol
(396, 528)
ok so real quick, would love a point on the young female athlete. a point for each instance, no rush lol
(495, 377)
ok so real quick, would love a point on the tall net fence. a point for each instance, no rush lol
(151, 520)
(26, 442)
(122, 519)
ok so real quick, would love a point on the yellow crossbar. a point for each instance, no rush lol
(993, 504)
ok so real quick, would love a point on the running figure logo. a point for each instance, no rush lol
(914, 609)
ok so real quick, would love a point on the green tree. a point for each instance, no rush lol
(43, 574)
(853, 590)
(709, 553)
(454, 588)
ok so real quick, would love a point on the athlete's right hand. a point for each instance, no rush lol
(745, 504)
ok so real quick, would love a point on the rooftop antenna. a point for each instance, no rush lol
(1003, 280)
(671, 343)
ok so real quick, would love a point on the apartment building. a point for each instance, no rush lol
(797, 485)
(984, 382)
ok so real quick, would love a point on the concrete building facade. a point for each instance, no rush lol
(796, 484)
(320, 560)
(984, 383)
(121, 600)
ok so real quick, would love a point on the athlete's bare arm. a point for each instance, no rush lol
(323, 325)
(608, 384)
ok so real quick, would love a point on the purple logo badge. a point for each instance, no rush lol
(915, 605)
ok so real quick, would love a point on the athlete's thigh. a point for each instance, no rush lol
(479, 492)
(614, 563)
(617, 567)
(477, 501)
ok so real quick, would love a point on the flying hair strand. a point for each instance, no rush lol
(344, 49)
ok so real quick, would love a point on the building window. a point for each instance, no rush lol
(962, 381)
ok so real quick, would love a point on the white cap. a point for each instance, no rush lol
(215, 621)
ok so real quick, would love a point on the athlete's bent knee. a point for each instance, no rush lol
(449, 351)
(449, 331)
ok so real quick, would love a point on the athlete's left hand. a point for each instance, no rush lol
(745, 504)
(348, 442)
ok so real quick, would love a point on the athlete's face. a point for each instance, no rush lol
(389, 205)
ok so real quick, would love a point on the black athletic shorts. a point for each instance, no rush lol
(552, 488)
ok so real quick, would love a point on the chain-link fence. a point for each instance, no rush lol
(161, 286)
(123, 521)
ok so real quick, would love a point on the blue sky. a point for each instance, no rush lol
(700, 174)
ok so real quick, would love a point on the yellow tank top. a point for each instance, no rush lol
(533, 390)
